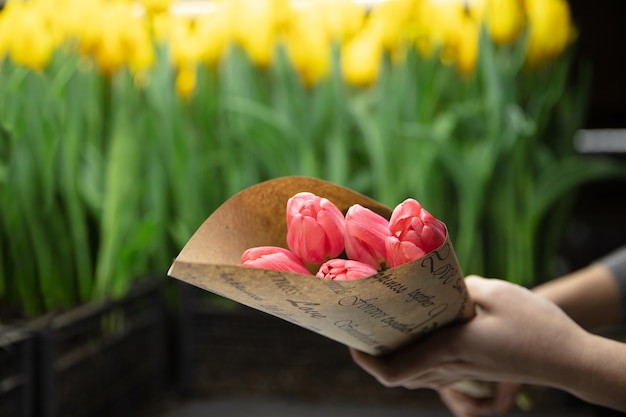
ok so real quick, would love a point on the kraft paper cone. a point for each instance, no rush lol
(376, 315)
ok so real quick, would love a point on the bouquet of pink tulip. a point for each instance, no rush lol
(318, 234)
(386, 276)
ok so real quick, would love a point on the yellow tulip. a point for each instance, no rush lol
(215, 33)
(451, 29)
(51, 24)
(186, 81)
(255, 28)
(476, 9)
(90, 27)
(125, 42)
(339, 19)
(467, 47)
(346, 20)
(31, 43)
(391, 19)
(505, 19)
(154, 7)
(551, 29)
(439, 23)
(6, 21)
(184, 45)
(69, 18)
(361, 59)
(109, 54)
(140, 49)
(162, 26)
(308, 45)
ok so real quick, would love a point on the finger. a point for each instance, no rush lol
(364, 360)
(506, 394)
(410, 363)
(456, 405)
(384, 368)
(427, 379)
(463, 405)
(374, 366)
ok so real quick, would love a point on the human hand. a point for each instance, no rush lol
(501, 400)
(516, 336)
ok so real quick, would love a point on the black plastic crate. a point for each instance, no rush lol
(239, 351)
(16, 373)
(104, 360)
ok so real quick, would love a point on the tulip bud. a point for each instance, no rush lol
(414, 233)
(315, 228)
(186, 81)
(30, 43)
(345, 270)
(156, 6)
(505, 19)
(551, 29)
(256, 29)
(365, 236)
(274, 258)
(360, 59)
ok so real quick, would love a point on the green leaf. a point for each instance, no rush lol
(565, 176)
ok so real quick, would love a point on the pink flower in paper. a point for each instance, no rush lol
(365, 236)
(315, 228)
(414, 233)
(400, 252)
(275, 258)
(345, 270)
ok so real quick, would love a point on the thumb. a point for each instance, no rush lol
(486, 291)
(478, 289)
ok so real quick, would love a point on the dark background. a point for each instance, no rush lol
(599, 221)
(602, 32)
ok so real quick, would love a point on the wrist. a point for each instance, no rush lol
(592, 369)
(590, 296)
(558, 362)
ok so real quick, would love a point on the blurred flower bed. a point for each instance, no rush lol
(124, 124)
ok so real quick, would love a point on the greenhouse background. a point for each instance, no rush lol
(125, 124)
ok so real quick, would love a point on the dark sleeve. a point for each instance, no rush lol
(616, 262)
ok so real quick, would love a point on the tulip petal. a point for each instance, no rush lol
(274, 258)
(400, 252)
(365, 235)
(345, 270)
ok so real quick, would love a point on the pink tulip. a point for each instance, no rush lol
(345, 270)
(365, 236)
(315, 228)
(414, 233)
(275, 258)
(400, 252)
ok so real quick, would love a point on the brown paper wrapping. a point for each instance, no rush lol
(377, 314)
